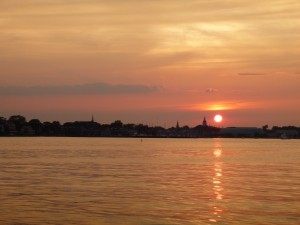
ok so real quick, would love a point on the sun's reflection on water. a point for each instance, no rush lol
(217, 183)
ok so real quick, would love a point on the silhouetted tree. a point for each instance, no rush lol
(2, 120)
(265, 127)
(52, 129)
(117, 124)
(3, 128)
(142, 129)
(56, 127)
(18, 120)
(36, 125)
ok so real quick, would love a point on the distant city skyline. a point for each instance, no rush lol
(18, 125)
(151, 62)
(167, 124)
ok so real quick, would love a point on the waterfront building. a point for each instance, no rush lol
(240, 132)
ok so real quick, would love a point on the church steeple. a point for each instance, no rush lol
(204, 123)
(92, 119)
(177, 125)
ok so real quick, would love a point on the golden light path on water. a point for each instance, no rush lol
(110, 181)
(217, 182)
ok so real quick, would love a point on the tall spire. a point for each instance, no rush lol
(92, 118)
(204, 123)
(177, 125)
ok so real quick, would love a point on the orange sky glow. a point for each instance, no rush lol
(151, 62)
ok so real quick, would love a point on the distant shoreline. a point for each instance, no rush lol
(147, 137)
(18, 126)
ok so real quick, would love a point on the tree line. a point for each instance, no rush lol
(17, 125)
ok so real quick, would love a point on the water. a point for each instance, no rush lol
(92, 181)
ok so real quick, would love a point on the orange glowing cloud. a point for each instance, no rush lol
(219, 106)
(169, 58)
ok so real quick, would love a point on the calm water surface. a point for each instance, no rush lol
(92, 181)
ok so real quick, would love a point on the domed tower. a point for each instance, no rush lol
(204, 123)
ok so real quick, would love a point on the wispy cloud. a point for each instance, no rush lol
(211, 90)
(251, 74)
(85, 89)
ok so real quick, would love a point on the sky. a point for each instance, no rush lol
(151, 62)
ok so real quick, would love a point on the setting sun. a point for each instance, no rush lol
(218, 118)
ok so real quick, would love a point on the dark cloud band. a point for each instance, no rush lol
(85, 89)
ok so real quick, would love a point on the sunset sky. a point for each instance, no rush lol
(152, 62)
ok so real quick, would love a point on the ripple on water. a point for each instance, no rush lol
(159, 181)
